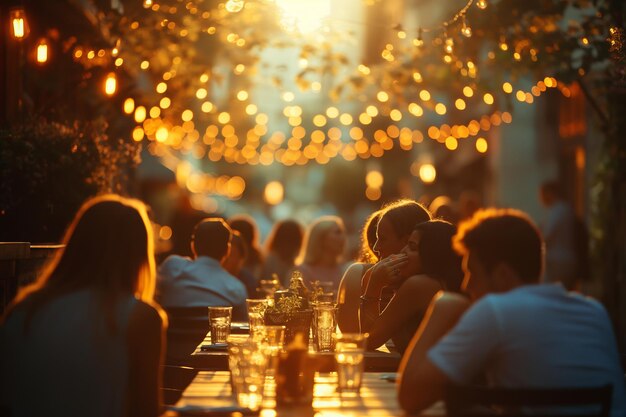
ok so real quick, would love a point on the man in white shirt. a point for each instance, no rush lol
(202, 282)
(514, 331)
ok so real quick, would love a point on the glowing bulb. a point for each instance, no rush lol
(449, 45)
(465, 29)
(147, 3)
(234, 6)
(19, 25)
(420, 38)
(42, 52)
(427, 173)
(110, 84)
(129, 105)
(274, 193)
(481, 4)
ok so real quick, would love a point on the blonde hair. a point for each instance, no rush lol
(109, 248)
(313, 247)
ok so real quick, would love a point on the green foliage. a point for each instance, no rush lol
(48, 169)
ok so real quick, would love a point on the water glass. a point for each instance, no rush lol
(219, 318)
(324, 325)
(349, 350)
(273, 340)
(247, 363)
(256, 313)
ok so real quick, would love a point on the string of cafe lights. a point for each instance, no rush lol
(220, 141)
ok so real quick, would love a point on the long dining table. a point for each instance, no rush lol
(205, 357)
(210, 394)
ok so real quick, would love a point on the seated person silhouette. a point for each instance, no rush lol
(514, 331)
(186, 287)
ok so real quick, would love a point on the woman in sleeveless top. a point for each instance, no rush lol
(425, 266)
(350, 285)
(86, 338)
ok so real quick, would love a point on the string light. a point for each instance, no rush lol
(465, 29)
(42, 51)
(481, 4)
(110, 84)
(19, 24)
(448, 43)
(420, 38)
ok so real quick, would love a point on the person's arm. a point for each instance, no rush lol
(145, 341)
(420, 382)
(348, 299)
(411, 299)
(375, 279)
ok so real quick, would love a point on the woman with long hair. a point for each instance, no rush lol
(322, 253)
(88, 330)
(426, 265)
(350, 285)
(281, 250)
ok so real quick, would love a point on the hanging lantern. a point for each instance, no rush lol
(42, 51)
(19, 25)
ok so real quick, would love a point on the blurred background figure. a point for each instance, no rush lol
(234, 264)
(249, 231)
(348, 300)
(443, 208)
(322, 254)
(88, 328)
(559, 233)
(281, 250)
(469, 203)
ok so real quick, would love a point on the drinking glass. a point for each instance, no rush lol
(273, 339)
(256, 313)
(247, 363)
(324, 325)
(349, 350)
(219, 318)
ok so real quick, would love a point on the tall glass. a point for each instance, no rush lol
(220, 318)
(256, 313)
(247, 363)
(324, 325)
(273, 340)
(349, 352)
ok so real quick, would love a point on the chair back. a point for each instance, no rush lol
(474, 401)
(187, 327)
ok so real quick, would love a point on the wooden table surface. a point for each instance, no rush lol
(212, 389)
(380, 360)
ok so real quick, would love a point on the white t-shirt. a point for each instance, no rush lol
(534, 336)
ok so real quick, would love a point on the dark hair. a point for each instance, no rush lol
(211, 238)
(285, 240)
(109, 248)
(404, 214)
(438, 258)
(502, 236)
(246, 225)
(238, 242)
(368, 238)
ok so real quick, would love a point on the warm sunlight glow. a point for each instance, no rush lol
(304, 15)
